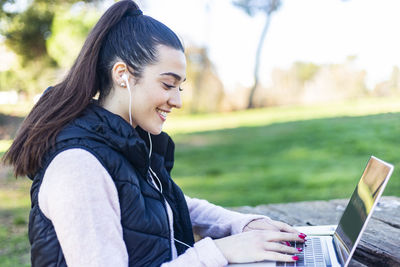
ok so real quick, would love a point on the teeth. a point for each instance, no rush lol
(163, 113)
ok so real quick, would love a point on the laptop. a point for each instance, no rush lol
(332, 245)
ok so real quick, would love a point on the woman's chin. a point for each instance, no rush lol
(153, 130)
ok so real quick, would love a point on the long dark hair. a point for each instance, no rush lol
(122, 33)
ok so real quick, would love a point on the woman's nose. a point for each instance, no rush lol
(175, 99)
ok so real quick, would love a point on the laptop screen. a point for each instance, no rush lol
(362, 202)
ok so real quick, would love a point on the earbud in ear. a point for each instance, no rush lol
(125, 77)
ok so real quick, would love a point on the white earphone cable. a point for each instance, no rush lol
(125, 77)
(159, 182)
(151, 144)
(152, 173)
(130, 104)
(183, 243)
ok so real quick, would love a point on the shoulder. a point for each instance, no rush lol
(75, 167)
(75, 176)
(77, 160)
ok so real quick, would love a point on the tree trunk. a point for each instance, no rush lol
(257, 63)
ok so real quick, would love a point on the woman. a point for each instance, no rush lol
(102, 193)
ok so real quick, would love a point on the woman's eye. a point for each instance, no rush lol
(168, 86)
(172, 86)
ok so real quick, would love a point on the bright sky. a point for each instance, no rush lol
(308, 30)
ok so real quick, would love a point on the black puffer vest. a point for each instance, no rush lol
(124, 154)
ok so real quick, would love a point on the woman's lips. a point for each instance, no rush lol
(162, 113)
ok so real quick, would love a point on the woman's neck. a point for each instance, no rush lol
(117, 104)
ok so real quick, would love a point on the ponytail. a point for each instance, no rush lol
(65, 101)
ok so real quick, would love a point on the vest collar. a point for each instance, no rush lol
(101, 125)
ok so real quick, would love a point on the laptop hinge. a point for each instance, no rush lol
(338, 253)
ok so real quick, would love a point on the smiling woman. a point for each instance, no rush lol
(102, 194)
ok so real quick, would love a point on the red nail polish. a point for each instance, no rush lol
(296, 258)
(302, 236)
(300, 249)
(288, 244)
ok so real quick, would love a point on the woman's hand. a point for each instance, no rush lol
(269, 224)
(258, 245)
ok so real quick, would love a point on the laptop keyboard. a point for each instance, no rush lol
(312, 254)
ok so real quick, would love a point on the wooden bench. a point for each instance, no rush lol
(380, 243)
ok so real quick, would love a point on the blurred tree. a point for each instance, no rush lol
(305, 71)
(26, 28)
(69, 30)
(309, 83)
(33, 77)
(390, 87)
(251, 7)
(25, 33)
(30, 29)
(395, 79)
(206, 89)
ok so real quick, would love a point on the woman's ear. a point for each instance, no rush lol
(118, 71)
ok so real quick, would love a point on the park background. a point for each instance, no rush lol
(327, 97)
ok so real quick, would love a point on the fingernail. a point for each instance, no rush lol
(300, 249)
(288, 244)
(302, 236)
(296, 258)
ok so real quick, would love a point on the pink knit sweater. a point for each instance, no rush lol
(80, 198)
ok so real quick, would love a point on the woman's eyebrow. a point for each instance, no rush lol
(176, 76)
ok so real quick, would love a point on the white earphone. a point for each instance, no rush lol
(125, 77)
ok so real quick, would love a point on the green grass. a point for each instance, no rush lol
(285, 162)
(14, 212)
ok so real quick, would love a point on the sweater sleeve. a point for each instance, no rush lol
(80, 198)
(214, 221)
(204, 253)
